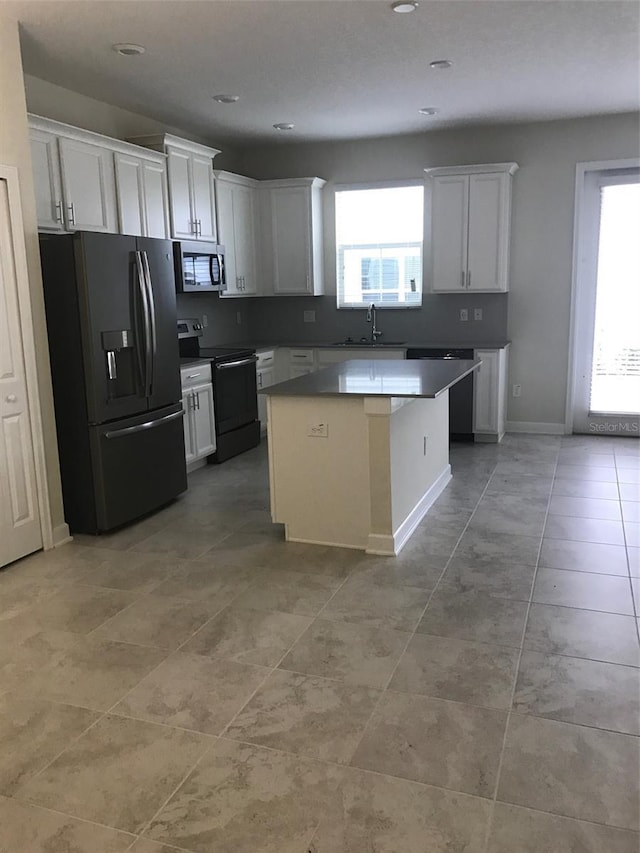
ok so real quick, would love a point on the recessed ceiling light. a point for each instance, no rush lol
(284, 125)
(440, 64)
(125, 49)
(403, 6)
(428, 111)
(226, 99)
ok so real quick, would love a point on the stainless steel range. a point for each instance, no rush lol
(235, 399)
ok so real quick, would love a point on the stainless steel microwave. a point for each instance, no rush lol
(199, 267)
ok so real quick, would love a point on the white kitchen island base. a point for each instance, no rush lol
(356, 471)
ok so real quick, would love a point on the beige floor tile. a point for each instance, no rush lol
(378, 605)
(180, 544)
(582, 633)
(474, 616)
(498, 580)
(248, 636)
(386, 815)
(587, 692)
(88, 671)
(434, 741)
(244, 799)
(571, 770)
(463, 671)
(193, 692)
(584, 557)
(525, 831)
(32, 733)
(119, 773)
(202, 581)
(596, 530)
(129, 571)
(306, 715)
(353, 653)
(493, 548)
(157, 620)
(584, 590)
(28, 829)
(403, 570)
(80, 609)
(288, 592)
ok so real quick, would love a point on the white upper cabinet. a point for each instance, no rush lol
(469, 211)
(85, 181)
(236, 208)
(293, 236)
(142, 195)
(191, 188)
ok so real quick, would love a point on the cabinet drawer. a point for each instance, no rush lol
(266, 359)
(196, 374)
(302, 356)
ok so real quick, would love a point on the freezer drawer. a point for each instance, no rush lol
(139, 465)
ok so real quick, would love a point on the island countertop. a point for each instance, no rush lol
(379, 378)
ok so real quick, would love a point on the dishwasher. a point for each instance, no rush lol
(460, 394)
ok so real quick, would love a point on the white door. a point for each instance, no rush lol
(486, 233)
(20, 532)
(88, 185)
(182, 224)
(203, 204)
(130, 194)
(46, 175)
(155, 199)
(291, 239)
(449, 232)
(203, 422)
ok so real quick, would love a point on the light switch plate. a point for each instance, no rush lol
(309, 316)
(464, 314)
(477, 313)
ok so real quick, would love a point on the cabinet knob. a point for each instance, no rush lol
(11, 398)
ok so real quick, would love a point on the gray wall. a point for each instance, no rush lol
(542, 225)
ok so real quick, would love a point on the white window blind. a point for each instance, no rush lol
(379, 235)
(615, 376)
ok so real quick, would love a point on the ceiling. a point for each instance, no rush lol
(339, 69)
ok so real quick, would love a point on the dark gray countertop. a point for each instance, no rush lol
(258, 345)
(376, 378)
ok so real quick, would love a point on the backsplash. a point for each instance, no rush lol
(281, 318)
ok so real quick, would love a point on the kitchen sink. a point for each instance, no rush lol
(368, 344)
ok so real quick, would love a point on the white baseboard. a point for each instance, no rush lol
(391, 545)
(534, 427)
(60, 535)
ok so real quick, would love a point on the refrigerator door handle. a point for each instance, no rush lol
(118, 433)
(144, 295)
(152, 315)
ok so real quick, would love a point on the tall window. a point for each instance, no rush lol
(379, 246)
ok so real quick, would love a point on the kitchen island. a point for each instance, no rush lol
(359, 451)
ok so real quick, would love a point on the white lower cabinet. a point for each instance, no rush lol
(199, 416)
(265, 376)
(490, 394)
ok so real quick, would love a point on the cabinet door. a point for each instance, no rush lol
(46, 175)
(203, 196)
(265, 376)
(224, 205)
(487, 232)
(182, 217)
(155, 199)
(244, 238)
(88, 185)
(187, 420)
(450, 195)
(129, 190)
(487, 393)
(291, 232)
(203, 421)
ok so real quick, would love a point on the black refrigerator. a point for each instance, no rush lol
(111, 321)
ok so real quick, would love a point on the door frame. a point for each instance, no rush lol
(11, 176)
(579, 297)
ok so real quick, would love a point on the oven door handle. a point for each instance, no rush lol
(227, 365)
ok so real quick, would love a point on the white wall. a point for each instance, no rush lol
(542, 229)
(15, 151)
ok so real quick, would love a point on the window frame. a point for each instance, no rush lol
(339, 248)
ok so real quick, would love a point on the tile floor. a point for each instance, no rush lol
(194, 683)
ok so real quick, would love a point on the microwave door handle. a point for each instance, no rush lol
(221, 272)
(152, 317)
(146, 323)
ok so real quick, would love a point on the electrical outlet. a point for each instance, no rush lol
(477, 313)
(205, 321)
(319, 429)
(239, 318)
(464, 314)
(309, 316)
(517, 390)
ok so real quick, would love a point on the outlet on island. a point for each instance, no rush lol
(319, 429)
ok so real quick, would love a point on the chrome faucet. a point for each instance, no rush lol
(371, 318)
